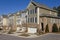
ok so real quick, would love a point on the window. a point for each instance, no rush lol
(35, 19)
(30, 11)
(33, 11)
(28, 20)
(36, 10)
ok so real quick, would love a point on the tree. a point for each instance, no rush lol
(54, 8)
(54, 28)
(57, 9)
(47, 29)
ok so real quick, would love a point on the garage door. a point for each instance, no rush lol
(32, 30)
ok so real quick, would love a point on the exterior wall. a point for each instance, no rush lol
(5, 24)
(47, 12)
(44, 11)
(4, 21)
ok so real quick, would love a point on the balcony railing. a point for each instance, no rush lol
(52, 15)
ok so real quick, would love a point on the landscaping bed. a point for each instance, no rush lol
(24, 34)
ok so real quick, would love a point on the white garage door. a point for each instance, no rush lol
(32, 30)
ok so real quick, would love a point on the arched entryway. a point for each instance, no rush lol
(54, 28)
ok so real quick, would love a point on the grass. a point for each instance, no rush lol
(24, 34)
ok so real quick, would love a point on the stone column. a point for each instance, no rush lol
(50, 27)
(44, 23)
(38, 21)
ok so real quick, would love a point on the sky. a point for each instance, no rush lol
(12, 6)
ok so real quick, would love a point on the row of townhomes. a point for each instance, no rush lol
(33, 19)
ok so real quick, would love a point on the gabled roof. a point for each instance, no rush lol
(41, 6)
(5, 16)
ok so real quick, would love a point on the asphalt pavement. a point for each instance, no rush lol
(49, 36)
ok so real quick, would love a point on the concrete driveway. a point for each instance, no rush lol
(49, 36)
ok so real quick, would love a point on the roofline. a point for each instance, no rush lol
(33, 2)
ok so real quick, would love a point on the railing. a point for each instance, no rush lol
(48, 15)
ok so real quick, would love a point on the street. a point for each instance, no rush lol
(49, 36)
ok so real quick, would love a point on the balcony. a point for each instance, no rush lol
(51, 15)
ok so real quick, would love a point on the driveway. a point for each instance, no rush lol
(49, 36)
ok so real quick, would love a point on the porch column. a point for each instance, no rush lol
(50, 27)
(44, 23)
(39, 24)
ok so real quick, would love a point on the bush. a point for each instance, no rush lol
(24, 34)
(54, 28)
(47, 29)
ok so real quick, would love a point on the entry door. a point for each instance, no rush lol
(42, 26)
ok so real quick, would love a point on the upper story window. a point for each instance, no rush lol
(23, 15)
(35, 9)
(18, 16)
(32, 11)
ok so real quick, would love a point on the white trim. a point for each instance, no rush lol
(38, 15)
(34, 19)
(28, 4)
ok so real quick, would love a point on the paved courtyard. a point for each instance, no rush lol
(49, 36)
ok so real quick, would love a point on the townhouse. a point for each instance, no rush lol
(39, 16)
(17, 21)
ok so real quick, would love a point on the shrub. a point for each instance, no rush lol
(47, 29)
(24, 34)
(54, 28)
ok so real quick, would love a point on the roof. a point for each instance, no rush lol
(42, 6)
(5, 16)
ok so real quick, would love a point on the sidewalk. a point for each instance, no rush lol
(18, 35)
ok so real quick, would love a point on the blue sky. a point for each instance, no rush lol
(11, 6)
